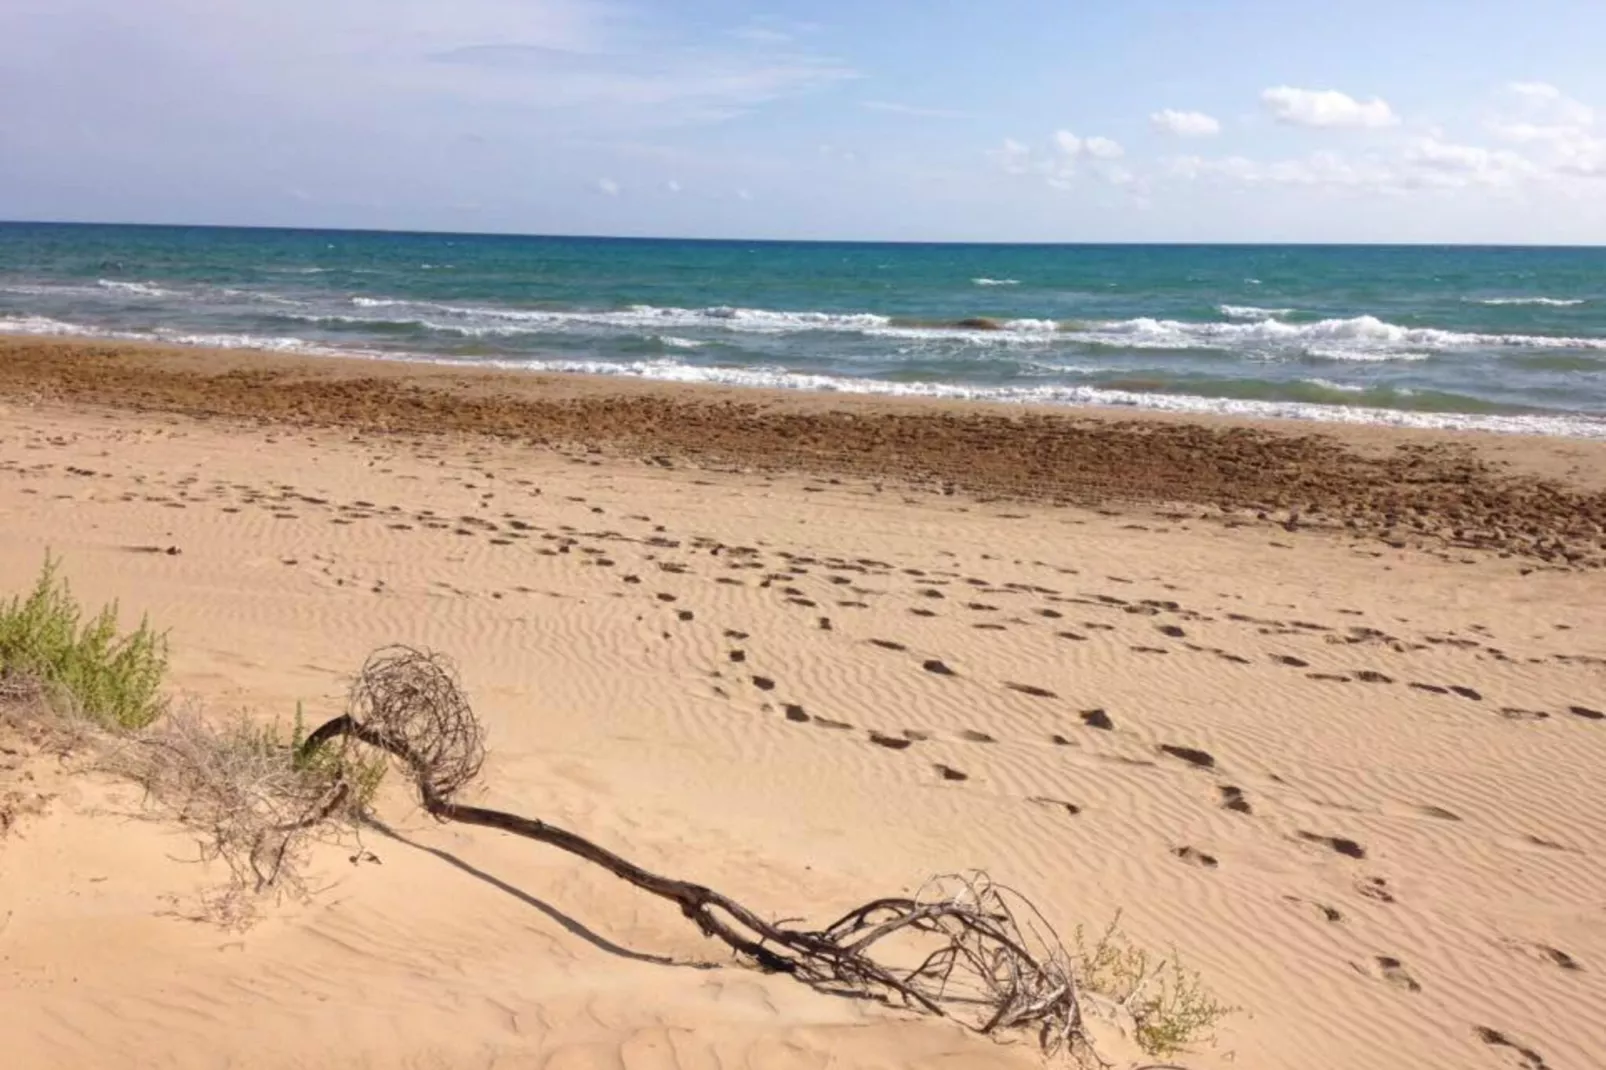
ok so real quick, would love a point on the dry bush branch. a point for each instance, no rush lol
(962, 947)
(257, 808)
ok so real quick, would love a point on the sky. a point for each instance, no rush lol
(938, 120)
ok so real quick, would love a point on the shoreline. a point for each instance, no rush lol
(1344, 783)
(1117, 396)
(1534, 496)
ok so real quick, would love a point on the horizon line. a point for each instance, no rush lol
(425, 232)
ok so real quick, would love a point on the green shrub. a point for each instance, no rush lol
(113, 679)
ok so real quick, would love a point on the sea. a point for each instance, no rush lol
(1509, 339)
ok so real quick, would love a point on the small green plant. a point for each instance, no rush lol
(364, 772)
(112, 678)
(1170, 1008)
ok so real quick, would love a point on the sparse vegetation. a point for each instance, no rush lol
(1170, 1009)
(256, 805)
(962, 947)
(259, 795)
(111, 678)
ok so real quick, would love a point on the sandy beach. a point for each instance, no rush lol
(1322, 708)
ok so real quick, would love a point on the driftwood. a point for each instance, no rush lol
(963, 947)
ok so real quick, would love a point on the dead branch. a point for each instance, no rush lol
(961, 947)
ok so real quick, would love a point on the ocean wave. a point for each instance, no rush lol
(1551, 302)
(1251, 312)
(770, 376)
(1354, 338)
(995, 282)
(1362, 338)
(43, 326)
(725, 317)
(143, 289)
(670, 370)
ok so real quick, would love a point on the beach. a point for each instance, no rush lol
(1320, 707)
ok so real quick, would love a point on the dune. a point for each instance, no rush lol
(1347, 761)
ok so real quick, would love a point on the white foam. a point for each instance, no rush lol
(142, 289)
(1346, 388)
(44, 326)
(753, 320)
(670, 370)
(1551, 302)
(995, 282)
(680, 343)
(1251, 312)
(1355, 338)
(40, 325)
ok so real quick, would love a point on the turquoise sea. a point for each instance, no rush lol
(1510, 339)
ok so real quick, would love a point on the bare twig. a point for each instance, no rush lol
(961, 947)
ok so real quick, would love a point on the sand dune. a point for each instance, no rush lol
(1360, 787)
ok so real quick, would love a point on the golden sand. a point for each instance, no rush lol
(1349, 763)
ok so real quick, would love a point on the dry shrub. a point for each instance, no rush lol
(962, 947)
(255, 803)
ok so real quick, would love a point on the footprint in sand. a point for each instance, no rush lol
(1193, 756)
(1346, 847)
(1070, 808)
(934, 665)
(1329, 914)
(1030, 689)
(1098, 719)
(1531, 1059)
(890, 742)
(1232, 798)
(1195, 857)
(970, 735)
(1375, 888)
(1393, 971)
(948, 772)
(1586, 713)
(888, 644)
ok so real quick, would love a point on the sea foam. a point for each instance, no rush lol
(1551, 302)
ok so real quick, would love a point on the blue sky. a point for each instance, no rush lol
(1232, 120)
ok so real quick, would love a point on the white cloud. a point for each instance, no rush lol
(1014, 157)
(1539, 112)
(744, 195)
(1102, 148)
(608, 187)
(1185, 123)
(1326, 108)
(1555, 129)
(1319, 169)
(1434, 162)
(673, 186)
(1059, 166)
